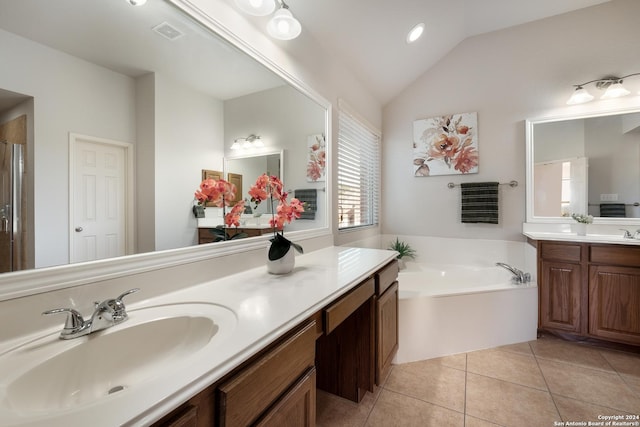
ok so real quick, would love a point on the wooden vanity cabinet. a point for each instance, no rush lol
(199, 411)
(206, 236)
(590, 290)
(345, 352)
(614, 293)
(277, 387)
(345, 348)
(280, 379)
(560, 286)
(386, 319)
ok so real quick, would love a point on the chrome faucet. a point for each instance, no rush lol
(107, 313)
(518, 275)
(636, 235)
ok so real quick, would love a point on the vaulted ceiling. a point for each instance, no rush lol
(369, 35)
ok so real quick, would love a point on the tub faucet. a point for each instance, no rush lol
(107, 313)
(518, 275)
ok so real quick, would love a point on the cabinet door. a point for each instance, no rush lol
(297, 408)
(386, 331)
(614, 303)
(246, 396)
(560, 296)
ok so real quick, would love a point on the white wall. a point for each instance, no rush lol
(189, 131)
(614, 162)
(63, 87)
(506, 76)
(558, 140)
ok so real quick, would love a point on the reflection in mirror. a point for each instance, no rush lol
(246, 170)
(585, 165)
(174, 92)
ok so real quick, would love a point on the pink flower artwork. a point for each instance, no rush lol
(316, 157)
(446, 145)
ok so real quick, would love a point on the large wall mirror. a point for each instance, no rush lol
(584, 164)
(121, 110)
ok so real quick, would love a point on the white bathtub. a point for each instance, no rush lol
(447, 309)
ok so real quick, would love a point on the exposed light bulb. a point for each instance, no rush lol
(283, 26)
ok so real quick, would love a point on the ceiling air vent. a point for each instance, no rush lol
(168, 31)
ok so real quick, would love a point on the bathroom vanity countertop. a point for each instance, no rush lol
(589, 238)
(266, 307)
(249, 223)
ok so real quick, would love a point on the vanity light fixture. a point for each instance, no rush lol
(611, 84)
(256, 7)
(415, 33)
(282, 25)
(252, 141)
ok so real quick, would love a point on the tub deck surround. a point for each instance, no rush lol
(448, 309)
(266, 307)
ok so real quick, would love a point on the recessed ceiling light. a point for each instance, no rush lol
(415, 33)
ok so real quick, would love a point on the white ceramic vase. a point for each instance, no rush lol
(580, 228)
(283, 265)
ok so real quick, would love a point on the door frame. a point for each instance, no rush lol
(129, 212)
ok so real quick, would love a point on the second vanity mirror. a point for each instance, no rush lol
(163, 85)
(584, 164)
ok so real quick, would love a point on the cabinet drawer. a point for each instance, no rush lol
(297, 408)
(247, 395)
(337, 312)
(561, 251)
(386, 276)
(615, 255)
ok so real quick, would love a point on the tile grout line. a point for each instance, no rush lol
(464, 406)
(544, 378)
(622, 378)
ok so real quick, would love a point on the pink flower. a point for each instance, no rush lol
(444, 147)
(270, 187)
(314, 171)
(218, 192)
(233, 217)
(466, 160)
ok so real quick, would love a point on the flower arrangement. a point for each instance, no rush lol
(272, 189)
(583, 219)
(221, 194)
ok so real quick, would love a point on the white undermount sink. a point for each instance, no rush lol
(49, 375)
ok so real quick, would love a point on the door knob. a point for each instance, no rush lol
(78, 229)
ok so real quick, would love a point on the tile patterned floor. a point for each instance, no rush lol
(539, 383)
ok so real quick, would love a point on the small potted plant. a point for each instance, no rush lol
(581, 223)
(404, 251)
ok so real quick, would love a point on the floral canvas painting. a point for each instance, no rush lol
(446, 145)
(316, 157)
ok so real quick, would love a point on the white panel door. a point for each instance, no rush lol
(99, 200)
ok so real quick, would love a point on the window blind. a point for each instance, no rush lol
(358, 173)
